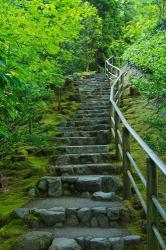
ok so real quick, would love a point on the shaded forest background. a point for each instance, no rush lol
(43, 42)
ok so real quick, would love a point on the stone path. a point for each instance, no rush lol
(80, 205)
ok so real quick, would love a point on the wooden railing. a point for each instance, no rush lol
(122, 132)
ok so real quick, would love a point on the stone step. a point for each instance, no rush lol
(68, 159)
(102, 136)
(103, 115)
(77, 140)
(91, 133)
(74, 202)
(79, 212)
(85, 149)
(96, 93)
(84, 128)
(80, 238)
(95, 97)
(84, 169)
(88, 122)
(50, 186)
(94, 84)
(92, 111)
(93, 105)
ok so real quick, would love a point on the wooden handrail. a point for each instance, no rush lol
(152, 206)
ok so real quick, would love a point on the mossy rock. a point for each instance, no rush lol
(87, 75)
(33, 221)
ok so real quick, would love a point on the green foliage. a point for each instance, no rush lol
(112, 29)
(40, 42)
(148, 54)
(145, 34)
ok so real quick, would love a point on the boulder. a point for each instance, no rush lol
(34, 241)
(132, 239)
(54, 187)
(32, 192)
(117, 243)
(72, 220)
(103, 221)
(99, 244)
(88, 183)
(50, 184)
(50, 217)
(113, 214)
(43, 185)
(112, 183)
(20, 213)
(64, 244)
(84, 215)
(94, 222)
(102, 196)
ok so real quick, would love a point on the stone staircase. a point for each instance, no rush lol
(80, 205)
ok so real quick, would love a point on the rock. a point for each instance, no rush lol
(113, 184)
(87, 183)
(72, 220)
(94, 222)
(84, 215)
(99, 244)
(50, 184)
(32, 192)
(43, 185)
(132, 239)
(81, 242)
(117, 243)
(64, 244)
(103, 221)
(51, 216)
(34, 241)
(98, 210)
(20, 213)
(102, 196)
(113, 214)
(71, 211)
(55, 187)
(69, 179)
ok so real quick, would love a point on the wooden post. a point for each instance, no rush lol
(122, 89)
(118, 88)
(152, 213)
(117, 122)
(126, 164)
(111, 110)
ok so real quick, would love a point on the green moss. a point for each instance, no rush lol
(8, 244)
(13, 229)
(10, 233)
(27, 162)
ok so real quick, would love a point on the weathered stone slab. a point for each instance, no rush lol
(34, 241)
(64, 244)
(103, 196)
(99, 244)
(20, 213)
(88, 183)
(84, 215)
